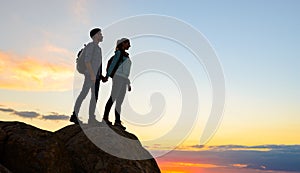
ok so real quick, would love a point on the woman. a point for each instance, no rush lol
(119, 70)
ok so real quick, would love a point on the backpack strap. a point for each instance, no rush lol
(113, 67)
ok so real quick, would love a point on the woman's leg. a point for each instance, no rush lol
(114, 93)
(120, 100)
(108, 105)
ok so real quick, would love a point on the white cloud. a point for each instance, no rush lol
(79, 8)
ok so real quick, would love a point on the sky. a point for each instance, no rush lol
(255, 42)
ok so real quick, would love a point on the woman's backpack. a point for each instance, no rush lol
(116, 67)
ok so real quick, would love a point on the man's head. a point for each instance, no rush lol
(96, 34)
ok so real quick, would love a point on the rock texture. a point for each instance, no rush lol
(85, 149)
(3, 169)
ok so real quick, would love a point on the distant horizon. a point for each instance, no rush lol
(63, 120)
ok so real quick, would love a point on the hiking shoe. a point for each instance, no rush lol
(119, 125)
(75, 119)
(106, 121)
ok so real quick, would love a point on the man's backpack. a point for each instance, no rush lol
(80, 64)
(116, 67)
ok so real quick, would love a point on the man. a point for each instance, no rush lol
(92, 76)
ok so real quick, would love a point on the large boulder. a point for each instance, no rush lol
(106, 149)
(24, 148)
(3, 169)
(85, 149)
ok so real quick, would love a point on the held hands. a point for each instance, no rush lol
(129, 87)
(104, 79)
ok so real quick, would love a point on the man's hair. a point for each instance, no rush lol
(94, 31)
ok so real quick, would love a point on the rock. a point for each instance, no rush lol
(106, 149)
(25, 148)
(86, 149)
(3, 169)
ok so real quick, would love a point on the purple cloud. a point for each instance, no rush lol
(273, 158)
(33, 114)
(6, 110)
(55, 117)
(27, 114)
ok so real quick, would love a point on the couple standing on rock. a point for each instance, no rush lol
(118, 69)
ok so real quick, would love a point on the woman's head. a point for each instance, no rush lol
(123, 44)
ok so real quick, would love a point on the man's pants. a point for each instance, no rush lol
(88, 84)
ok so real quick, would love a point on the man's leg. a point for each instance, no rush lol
(83, 93)
(97, 87)
(94, 98)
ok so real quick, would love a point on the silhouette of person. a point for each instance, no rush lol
(92, 76)
(121, 64)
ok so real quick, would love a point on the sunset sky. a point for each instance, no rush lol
(257, 44)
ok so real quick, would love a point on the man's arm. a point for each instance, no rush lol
(89, 52)
(90, 70)
(104, 79)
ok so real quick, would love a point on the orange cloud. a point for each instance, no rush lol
(199, 165)
(31, 73)
(185, 167)
(240, 165)
(54, 49)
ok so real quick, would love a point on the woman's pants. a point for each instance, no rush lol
(118, 92)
